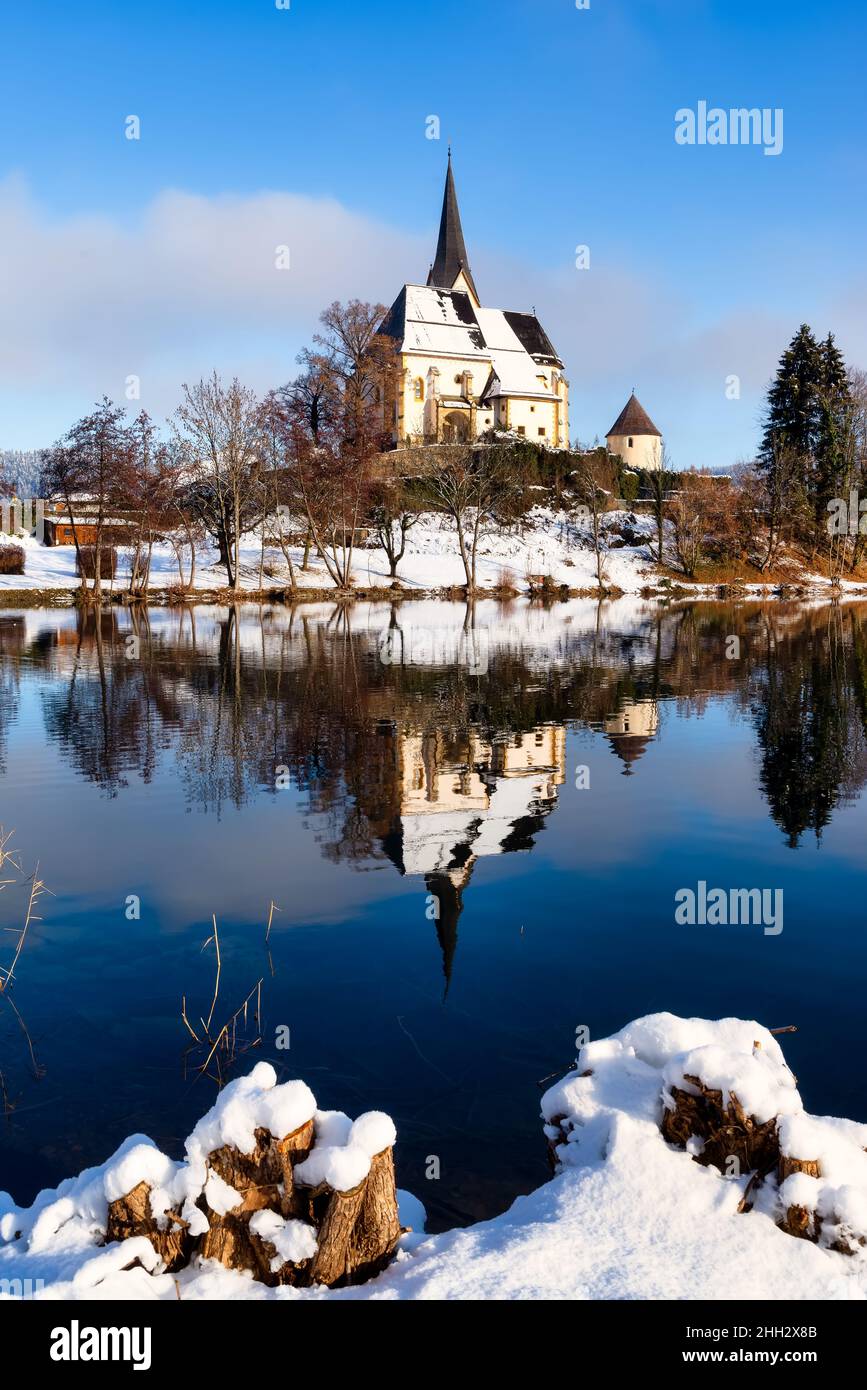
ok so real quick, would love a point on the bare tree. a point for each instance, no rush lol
(313, 397)
(394, 511)
(354, 359)
(220, 431)
(328, 427)
(59, 477)
(592, 481)
(313, 403)
(279, 488)
(784, 499)
(335, 488)
(149, 494)
(329, 482)
(477, 489)
(92, 466)
(689, 512)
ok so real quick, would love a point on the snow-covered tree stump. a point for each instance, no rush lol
(773, 1140)
(725, 1130)
(315, 1206)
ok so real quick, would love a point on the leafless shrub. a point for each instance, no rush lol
(86, 562)
(11, 559)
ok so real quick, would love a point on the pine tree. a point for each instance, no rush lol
(793, 404)
(833, 453)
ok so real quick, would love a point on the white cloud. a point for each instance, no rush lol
(192, 284)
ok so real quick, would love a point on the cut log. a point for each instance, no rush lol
(787, 1166)
(291, 1150)
(798, 1221)
(132, 1216)
(261, 1178)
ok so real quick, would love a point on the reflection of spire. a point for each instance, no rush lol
(628, 749)
(631, 729)
(463, 798)
(448, 889)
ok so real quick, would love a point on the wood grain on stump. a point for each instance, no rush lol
(131, 1216)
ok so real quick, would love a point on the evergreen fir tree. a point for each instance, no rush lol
(793, 404)
(833, 453)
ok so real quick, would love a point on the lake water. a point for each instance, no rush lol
(454, 902)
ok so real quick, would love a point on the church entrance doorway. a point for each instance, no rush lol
(456, 427)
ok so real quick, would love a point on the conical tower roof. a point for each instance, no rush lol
(451, 255)
(633, 419)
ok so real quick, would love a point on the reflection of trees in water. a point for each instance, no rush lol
(110, 713)
(232, 698)
(13, 635)
(810, 715)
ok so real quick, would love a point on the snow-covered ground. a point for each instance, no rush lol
(626, 1216)
(548, 543)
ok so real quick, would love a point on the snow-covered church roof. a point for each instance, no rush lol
(445, 319)
(446, 323)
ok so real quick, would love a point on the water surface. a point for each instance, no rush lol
(453, 902)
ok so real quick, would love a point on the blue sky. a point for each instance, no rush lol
(306, 127)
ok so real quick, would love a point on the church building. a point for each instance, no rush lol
(464, 369)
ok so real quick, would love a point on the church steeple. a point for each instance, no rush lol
(451, 256)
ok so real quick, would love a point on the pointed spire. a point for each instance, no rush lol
(633, 419)
(451, 254)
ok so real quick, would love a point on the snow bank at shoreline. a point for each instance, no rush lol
(548, 544)
(626, 1216)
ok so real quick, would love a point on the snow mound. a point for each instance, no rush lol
(250, 1103)
(627, 1215)
(373, 1132)
(764, 1087)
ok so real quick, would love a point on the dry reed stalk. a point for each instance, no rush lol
(226, 1039)
(37, 889)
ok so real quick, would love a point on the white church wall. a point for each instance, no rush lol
(419, 415)
(533, 416)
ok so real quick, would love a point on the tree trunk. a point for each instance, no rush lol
(331, 1263)
(378, 1228)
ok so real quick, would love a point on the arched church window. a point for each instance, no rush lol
(419, 388)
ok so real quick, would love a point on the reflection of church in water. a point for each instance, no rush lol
(463, 798)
